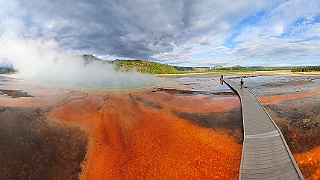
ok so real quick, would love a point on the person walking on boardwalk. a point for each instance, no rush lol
(241, 83)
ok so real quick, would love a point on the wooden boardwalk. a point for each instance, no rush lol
(265, 153)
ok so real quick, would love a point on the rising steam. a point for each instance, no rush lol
(42, 61)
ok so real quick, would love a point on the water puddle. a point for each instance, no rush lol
(14, 93)
(183, 92)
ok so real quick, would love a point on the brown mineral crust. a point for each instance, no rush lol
(131, 139)
(32, 147)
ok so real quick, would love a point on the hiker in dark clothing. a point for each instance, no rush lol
(221, 79)
(241, 83)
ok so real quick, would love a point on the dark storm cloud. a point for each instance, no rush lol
(186, 12)
(135, 29)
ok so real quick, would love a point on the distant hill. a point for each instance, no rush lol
(89, 58)
(145, 66)
(150, 67)
(238, 68)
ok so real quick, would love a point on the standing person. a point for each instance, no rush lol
(221, 79)
(241, 83)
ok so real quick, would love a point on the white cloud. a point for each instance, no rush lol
(312, 31)
(277, 49)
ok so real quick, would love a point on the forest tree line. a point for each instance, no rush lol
(306, 69)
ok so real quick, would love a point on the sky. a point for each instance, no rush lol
(175, 32)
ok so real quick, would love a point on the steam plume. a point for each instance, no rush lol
(43, 61)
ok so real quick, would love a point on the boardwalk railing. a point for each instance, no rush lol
(265, 153)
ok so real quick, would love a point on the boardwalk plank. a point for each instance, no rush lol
(265, 154)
